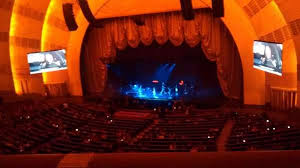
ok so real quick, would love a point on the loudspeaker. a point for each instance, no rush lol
(69, 17)
(98, 23)
(218, 8)
(187, 9)
(85, 8)
(139, 20)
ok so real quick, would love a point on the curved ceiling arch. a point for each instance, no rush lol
(53, 33)
(235, 21)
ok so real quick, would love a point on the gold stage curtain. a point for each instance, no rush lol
(94, 73)
(118, 33)
(229, 65)
(145, 31)
(104, 42)
(216, 42)
(175, 29)
(159, 28)
(191, 33)
(132, 33)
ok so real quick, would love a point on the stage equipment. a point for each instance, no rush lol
(89, 15)
(187, 9)
(139, 20)
(218, 8)
(69, 17)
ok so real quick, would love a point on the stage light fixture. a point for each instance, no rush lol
(181, 83)
(139, 20)
(85, 8)
(218, 8)
(187, 9)
(69, 17)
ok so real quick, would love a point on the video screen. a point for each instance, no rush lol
(268, 57)
(47, 61)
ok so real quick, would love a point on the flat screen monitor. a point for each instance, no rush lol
(268, 57)
(47, 61)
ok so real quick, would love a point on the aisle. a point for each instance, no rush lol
(221, 142)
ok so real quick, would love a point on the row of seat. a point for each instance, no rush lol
(85, 127)
(258, 132)
(178, 133)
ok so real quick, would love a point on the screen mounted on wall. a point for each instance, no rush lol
(47, 61)
(268, 57)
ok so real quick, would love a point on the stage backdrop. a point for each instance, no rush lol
(101, 44)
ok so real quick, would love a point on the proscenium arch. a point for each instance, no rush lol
(240, 25)
(235, 20)
(54, 10)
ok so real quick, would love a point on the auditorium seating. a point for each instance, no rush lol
(181, 133)
(75, 129)
(98, 135)
(258, 132)
(87, 127)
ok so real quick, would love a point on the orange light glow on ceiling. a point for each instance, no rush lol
(46, 32)
(12, 49)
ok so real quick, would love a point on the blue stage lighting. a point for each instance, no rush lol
(159, 87)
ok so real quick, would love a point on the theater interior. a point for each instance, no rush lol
(160, 83)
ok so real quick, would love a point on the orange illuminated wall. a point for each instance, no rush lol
(291, 13)
(270, 19)
(12, 32)
(60, 39)
(244, 29)
(25, 33)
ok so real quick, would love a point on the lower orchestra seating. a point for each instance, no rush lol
(77, 128)
(258, 132)
(180, 133)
